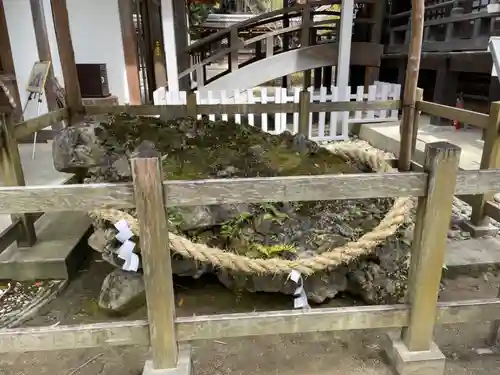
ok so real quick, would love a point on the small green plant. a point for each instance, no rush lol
(231, 227)
(272, 251)
(272, 214)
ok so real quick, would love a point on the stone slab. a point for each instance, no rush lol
(386, 137)
(184, 365)
(58, 253)
(404, 362)
(472, 256)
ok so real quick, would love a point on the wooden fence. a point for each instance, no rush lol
(325, 126)
(435, 185)
(490, 159)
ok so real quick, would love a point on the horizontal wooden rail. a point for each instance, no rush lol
(84, 197)
(28, 127)
(172, 111)
(477, 119)
(240, 325)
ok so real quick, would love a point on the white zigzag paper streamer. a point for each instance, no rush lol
(300, 301)
(126, 250)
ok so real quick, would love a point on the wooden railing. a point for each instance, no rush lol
(435, 183)
(22, 228)
(287, 29)
(490, 124)
(151, 196)
(449, 26)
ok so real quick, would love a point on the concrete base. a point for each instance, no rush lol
(472, 257)
(184, 365)
(431, 362)
(479, 230)
(55, 255)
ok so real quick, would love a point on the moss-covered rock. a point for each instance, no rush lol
(203, 149)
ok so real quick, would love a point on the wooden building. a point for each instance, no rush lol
(455, 60)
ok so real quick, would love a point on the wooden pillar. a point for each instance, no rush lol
(155, 28)
(345, 36)
(67, 56)
(9, 73)
(11, 171)
(174, 21)
(429, 243)
(130, 50)
(44, 53)
(445, 90)
(372, 72)
(285, 80)
(153, 225)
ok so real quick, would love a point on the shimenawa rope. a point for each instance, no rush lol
(396, 216)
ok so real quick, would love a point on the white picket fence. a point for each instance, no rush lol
(323, 126)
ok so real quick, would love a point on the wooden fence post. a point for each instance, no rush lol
(304, 102)
(11, 171)
(479, 224)
(156, 262)
(427, 259)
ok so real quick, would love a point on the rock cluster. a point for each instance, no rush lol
(196, 149)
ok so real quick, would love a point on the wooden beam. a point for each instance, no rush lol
(44, 54)
(210, 327)
(429, 243)
(11, 170)
(86, 197)
(411, 81)
(67, 56)
(130, 49)
(147, 175)
(8, 62)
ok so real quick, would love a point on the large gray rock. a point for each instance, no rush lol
(75, 149)
(122, 292)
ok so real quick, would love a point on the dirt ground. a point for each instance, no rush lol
(342, 353)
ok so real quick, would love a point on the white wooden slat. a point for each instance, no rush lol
(396, 96)
(211, 100)
(296, 98)
(224, 100)
(284, 116)
(384, 96)
(322, 115)
(264, 100)
(198, 101)
(345, 115)
(334, 115)
(237, 100)
(360, 93)
(277, 115)
(311, 100)
(372, 96)
(250, 100)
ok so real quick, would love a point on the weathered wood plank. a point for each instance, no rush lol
(251, 190)
(465, 116)
(26, 128)
(232, 109)
(477, 182)
(427, 256)
(300, 188)
(52, 198)
(9, 235)
(156, 261)
(239, 325)
(201, 192)
(66, 56)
